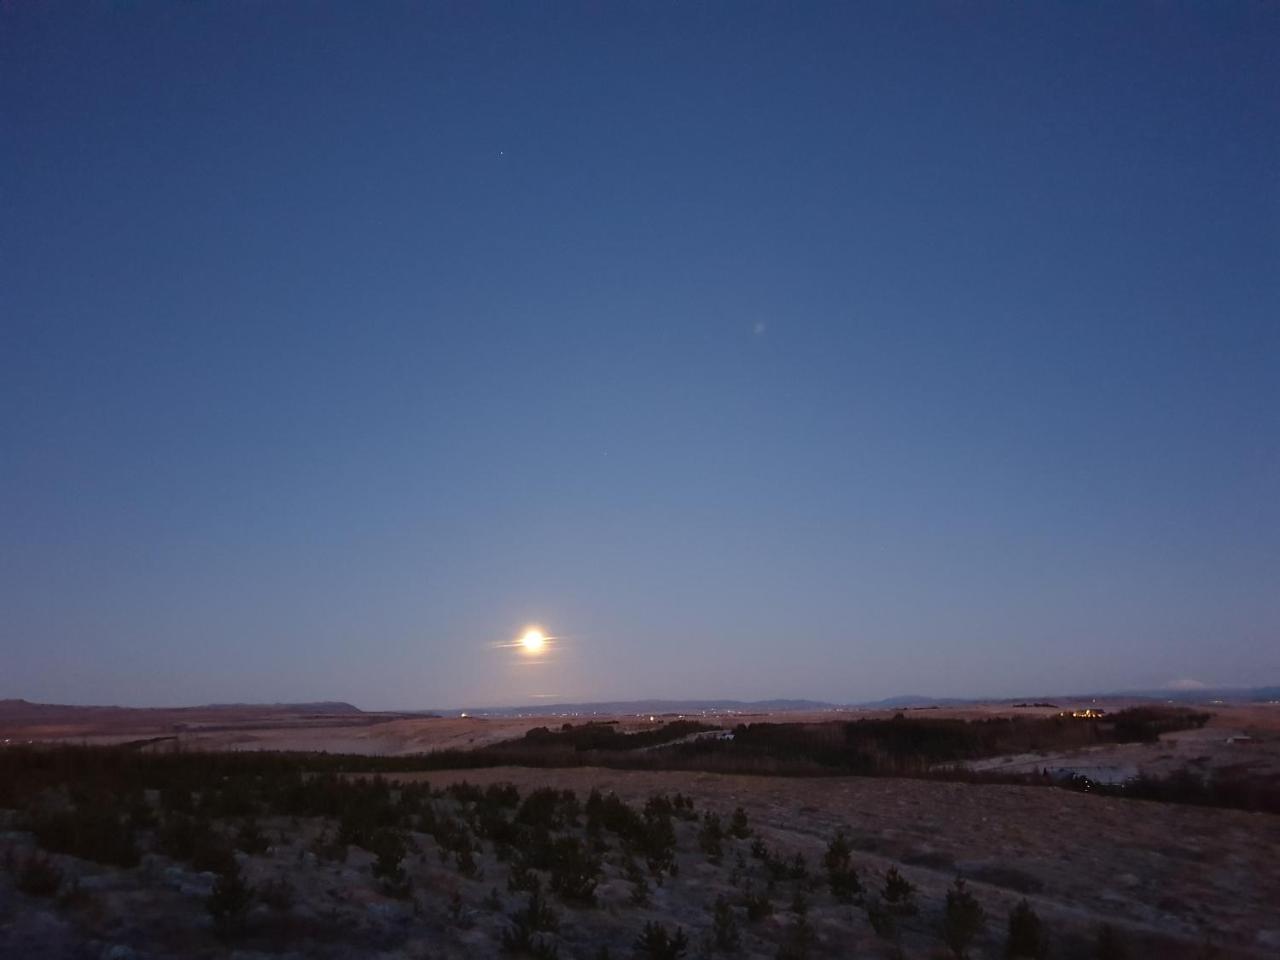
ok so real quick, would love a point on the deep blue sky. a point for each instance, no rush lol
(759, 350)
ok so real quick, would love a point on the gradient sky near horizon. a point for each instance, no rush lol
(757, 350)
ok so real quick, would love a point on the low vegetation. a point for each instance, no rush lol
(267, 847)
(963, 919)
(266, 829)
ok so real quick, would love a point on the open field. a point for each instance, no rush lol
(318, 727)
(325, 727)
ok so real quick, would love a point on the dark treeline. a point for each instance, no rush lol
(904, 746)
(910, 747)
(596, 735)
(900, 746)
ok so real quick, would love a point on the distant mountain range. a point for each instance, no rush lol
(902, 702)
(319, 706)
(1195, 695)
(26, 712)
(652, 707)
(906, 701)
(1202, 694)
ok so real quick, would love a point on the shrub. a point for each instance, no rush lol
(537, 914)
(658, 842)
(464, 861)
(331, 850)
(899, 893)
(518, 939)
(140, 816)
(457, 910)
(738, 825)
(278, 894)
(1027, 935)
(639, 891)
(797, 869)
(758, 906)
(608, 812)
(839, 853)
(390, 847)
(547, 809)
(175, 798)
(535, 917)
(250, 837)
(1109, 945)
(660, 805)
(193, 840)
(502, 795)
(655, 943)
(492, 822)
(70, 896)
(776, 867)
(574, 871)
(881, 919)
(229, 902)
(38, 877)
(97, 834)
(962, 920)
(683, 807)
(521, 940)
(465, 793)
(711, 837)
(797, 940)
(537, 847)
(234, 798)
(521, 877)
(724, 927)
(841, 876)
(800, 904)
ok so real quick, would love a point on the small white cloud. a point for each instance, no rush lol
(1185, 683)
(759, 328)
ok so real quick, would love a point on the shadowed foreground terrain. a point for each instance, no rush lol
(121, 853)
(1172, 876)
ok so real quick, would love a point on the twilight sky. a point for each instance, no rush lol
(834, 351)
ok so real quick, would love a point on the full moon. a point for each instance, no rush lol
(533, 641)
